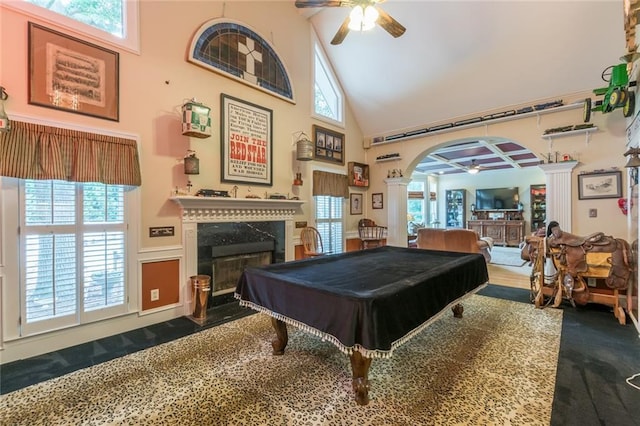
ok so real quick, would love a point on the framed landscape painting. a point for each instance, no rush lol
(600, 185)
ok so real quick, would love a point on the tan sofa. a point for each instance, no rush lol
(458, 240)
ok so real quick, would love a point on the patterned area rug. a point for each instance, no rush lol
(507, 256)
(496, 365)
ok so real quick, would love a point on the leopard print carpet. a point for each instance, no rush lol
(495, 366)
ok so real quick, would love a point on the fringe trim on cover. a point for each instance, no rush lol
(349, 350)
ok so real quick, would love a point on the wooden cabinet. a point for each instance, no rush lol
(514, 232)
(456, 205)
(538, 195)
(503, 232)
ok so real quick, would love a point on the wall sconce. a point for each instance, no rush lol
(304, 148)
(5, 124)
(191, 166)
(633, 162)
(195, 119)
(304, 152)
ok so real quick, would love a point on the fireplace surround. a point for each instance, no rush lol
(215, 227)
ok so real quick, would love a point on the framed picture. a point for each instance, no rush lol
(600, 185)
(246, 141)
(70, 74)
(376, 200)
(356, 203)
(358, 174)
(328, 145)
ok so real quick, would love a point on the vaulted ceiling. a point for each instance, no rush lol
(463, 58)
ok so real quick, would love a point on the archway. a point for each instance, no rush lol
(500, 162)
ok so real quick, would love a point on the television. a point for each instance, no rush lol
(497, 198)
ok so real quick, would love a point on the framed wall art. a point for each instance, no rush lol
(358, 174)
(246, 141)
(328, 145)
(355, 203)
(72, 75)
(600, 185)
(377, 200)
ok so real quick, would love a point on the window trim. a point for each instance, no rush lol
(10, 213)
(317, 49)
(130, 42)
(79, 229)
(327, 245)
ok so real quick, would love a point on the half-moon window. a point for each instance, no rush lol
(236, 51)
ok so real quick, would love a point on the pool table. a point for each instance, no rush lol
(367, 303)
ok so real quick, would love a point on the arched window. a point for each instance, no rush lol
(234, 50)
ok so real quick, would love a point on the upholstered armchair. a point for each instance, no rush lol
(458, 240)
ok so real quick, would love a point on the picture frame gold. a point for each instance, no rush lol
(69, 74)
(328, 145)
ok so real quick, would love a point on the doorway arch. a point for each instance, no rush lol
(452, 158)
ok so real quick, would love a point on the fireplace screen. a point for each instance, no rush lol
(227, 269)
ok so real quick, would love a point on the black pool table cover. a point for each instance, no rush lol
(369, 301)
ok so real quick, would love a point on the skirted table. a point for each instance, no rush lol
(367, 303)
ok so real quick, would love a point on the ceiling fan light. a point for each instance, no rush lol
(473, 170)
(363, 19)
(370, 17)
(355, 18)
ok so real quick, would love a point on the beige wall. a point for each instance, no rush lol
(153, 86)
(603, 149)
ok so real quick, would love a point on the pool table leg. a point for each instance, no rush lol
(282, 337)
(457, 310)
(360, 373)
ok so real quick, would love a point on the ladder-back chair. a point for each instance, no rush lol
(371, 235)
(312, 242)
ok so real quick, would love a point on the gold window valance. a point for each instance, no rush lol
(36, 151)
(331, 184)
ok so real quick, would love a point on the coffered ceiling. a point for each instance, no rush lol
(487, 154)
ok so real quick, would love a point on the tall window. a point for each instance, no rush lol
(113, 21)
(328, 100)
(73, 249)
(329, 222)
(416, 211)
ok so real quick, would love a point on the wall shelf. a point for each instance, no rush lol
(419, 134)
(570, 132)
(382, 160)
(586, 131)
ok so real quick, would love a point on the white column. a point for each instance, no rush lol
(289, 248)
(559, 200)
(190, 244)
(397, 211)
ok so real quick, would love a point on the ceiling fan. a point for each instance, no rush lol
(364, 15)
(474, 167)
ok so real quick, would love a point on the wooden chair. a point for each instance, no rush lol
(371, 235)
(312, 242)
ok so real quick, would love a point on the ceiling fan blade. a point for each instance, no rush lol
(390, 25)
(322, 3)
(342, 32)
